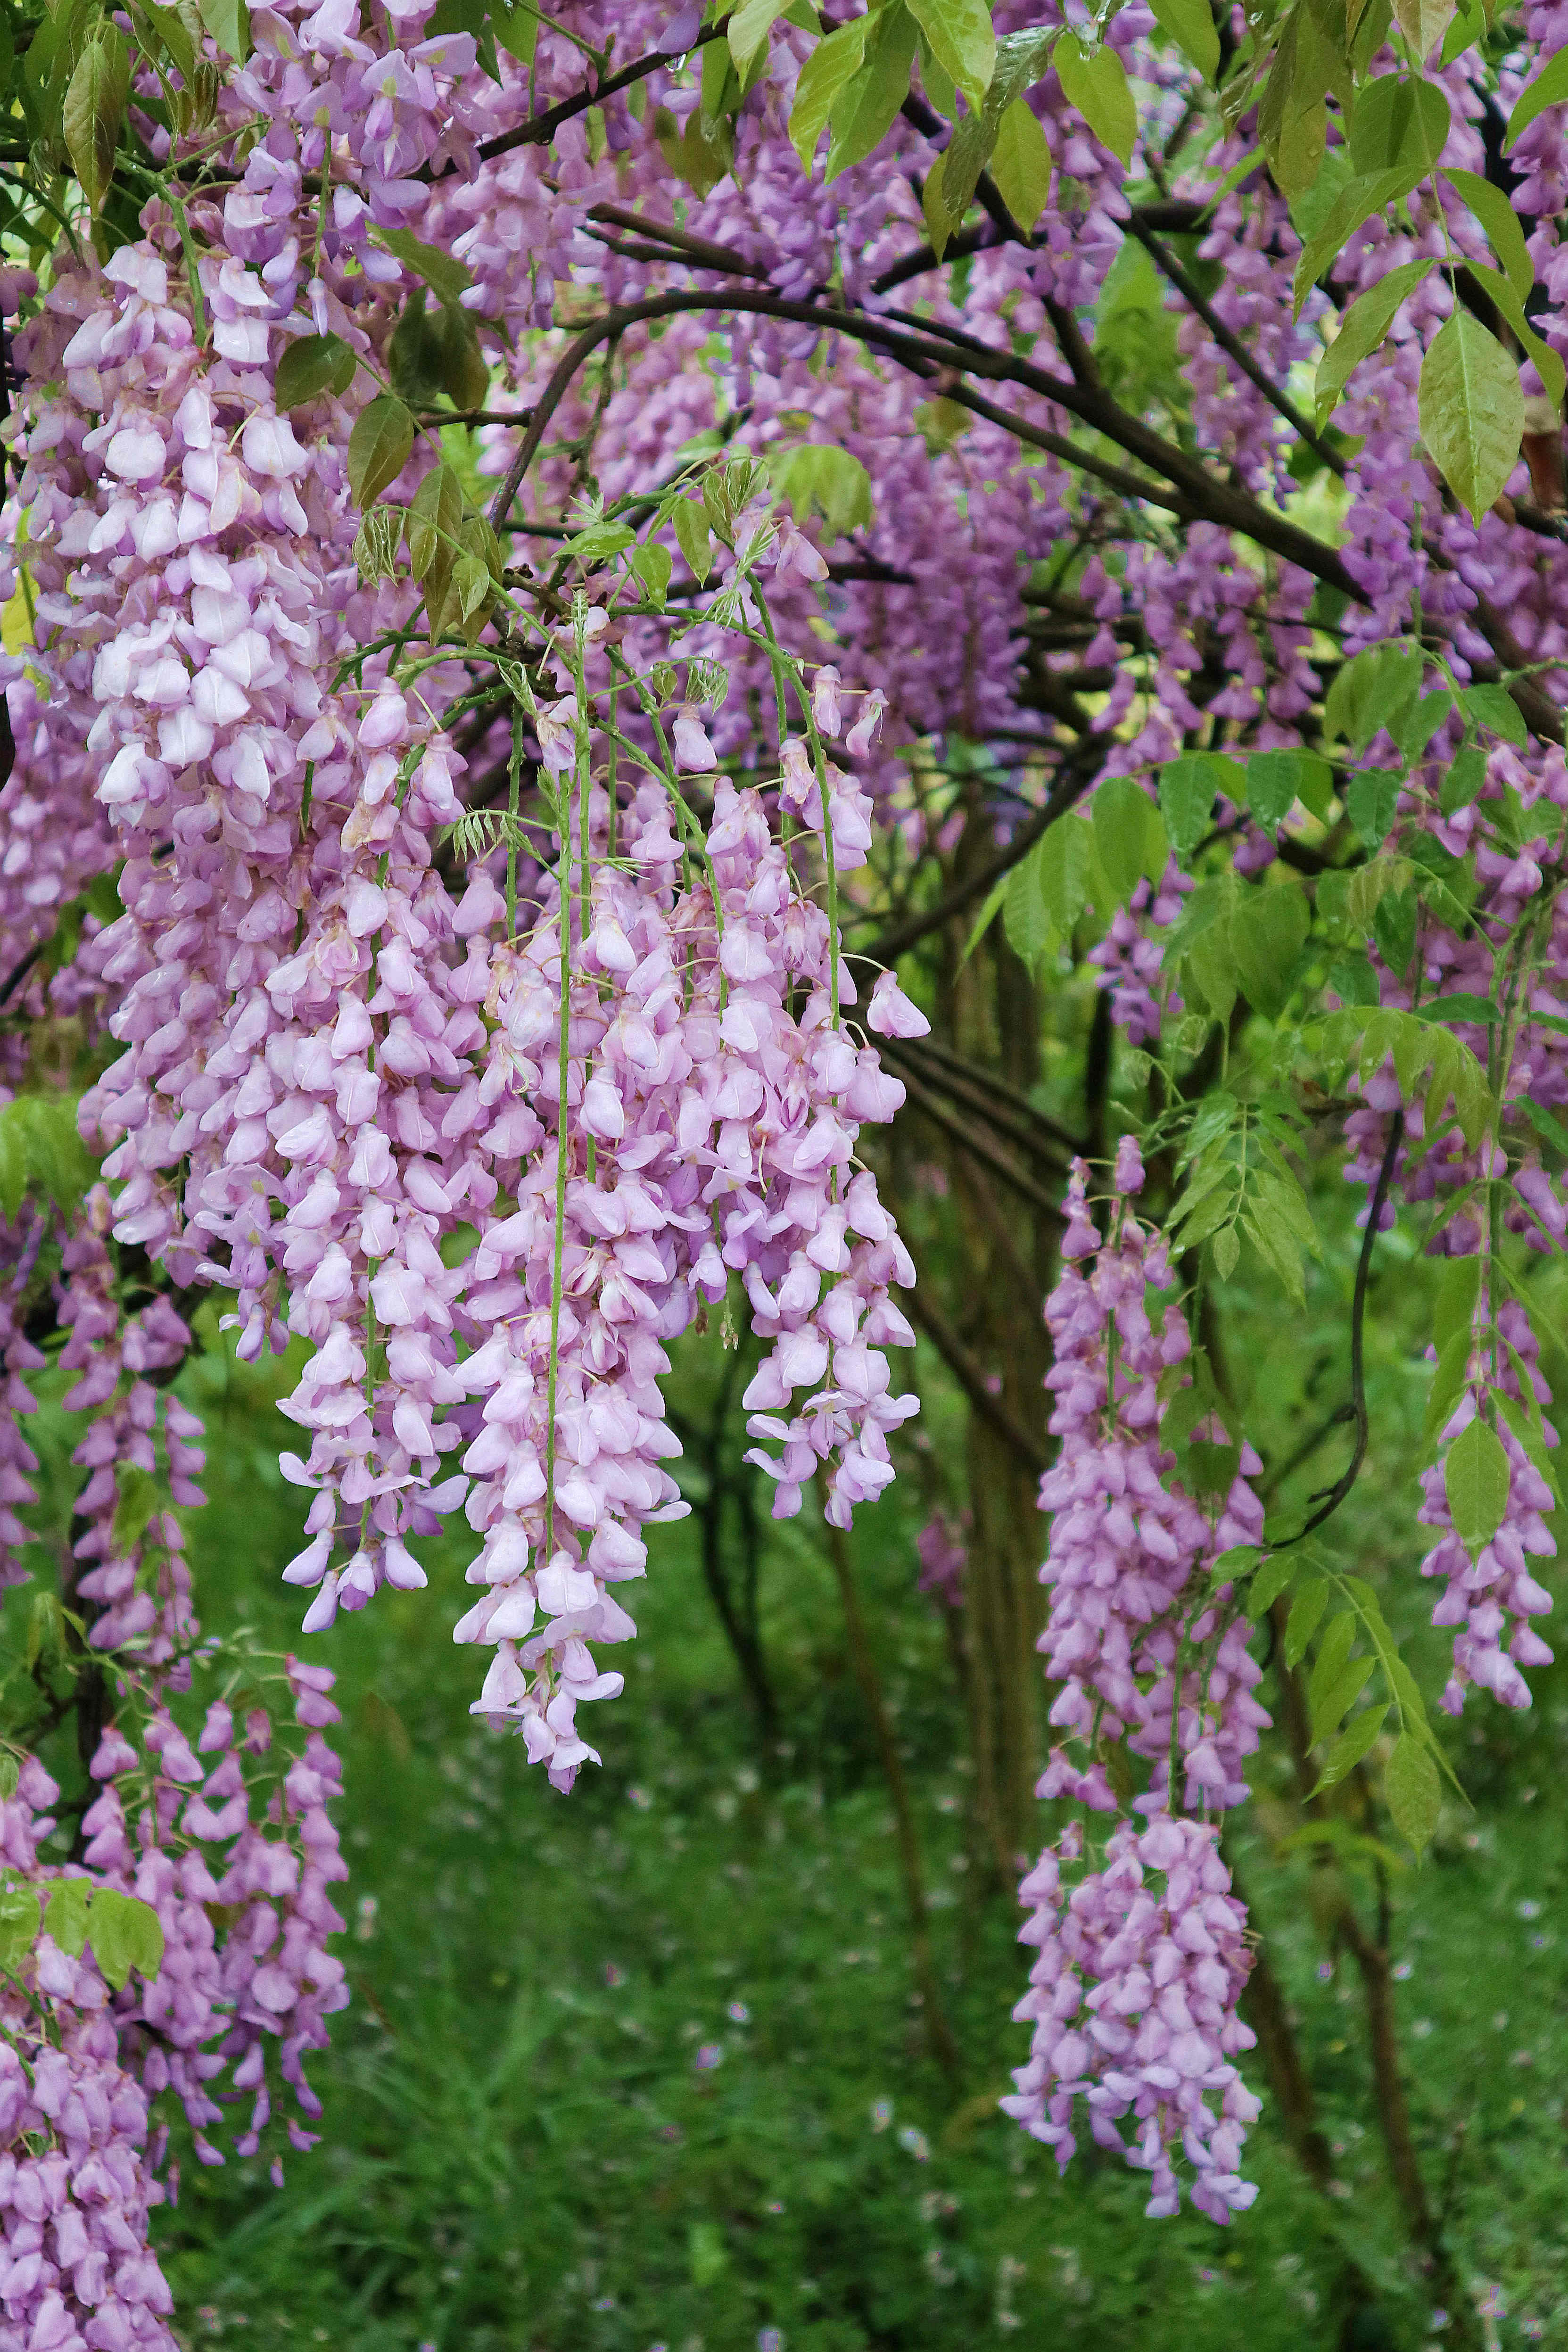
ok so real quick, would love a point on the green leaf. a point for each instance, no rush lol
(18, 1921)
(1418, 725)
(1268, 932)
(435, 518)
(1467, 775)
(1352, 1745)
(465, 373)
(1356, 202)
(1373, 691)
(1333, 1649)
(1066, 853)
(1210, 968)
(1424, 23)
(962, 40)
(515, 24)
(415, 361)
(1460, 1008)
(441, 272)
(1528, 1434)
(1547, 1125)
(1554, 376)
(1211, 1467)
(94, 110)
(1240, 1560)
(1094, 81)
(835, 60)
(1469, 26)
(995, 900)
(749, 28)
(1024, 915)
(1292, 120)
(1129, 837)
(1501, 224)
(1361, 329)
(125, 1935)
(600, 540)
(1227, 1252)
(703, 154)
(1188, 789)
(379, 447)
(171, 30)
(1276, 780)
(1338, 1697)
(472, 587)
(1550, 87)
(1190, 24)
(311, 365)
(1472, 411)
(652, 564)
(1399, 120)
(867, 106)
(139, 1499)
(825, 476)
(1412, 1791)
(693, 537)
(1494, 709)
(1475, 1479)
(1021, 164)
(65, 1915)
(1273, 1578)
(1394, 929)
(1454, 1314)
(1303, 1623)
(1372, 803)
(228, 22)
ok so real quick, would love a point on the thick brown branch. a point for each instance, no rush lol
(934, 351)
(1192, 293)
(540, 129)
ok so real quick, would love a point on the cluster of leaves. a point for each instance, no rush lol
(1330, 1613)
(42, 1153)
(67, 69)
(123, 1931)
(1239, 1180)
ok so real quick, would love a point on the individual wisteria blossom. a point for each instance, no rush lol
(1491, 1596)
(1132, 2000)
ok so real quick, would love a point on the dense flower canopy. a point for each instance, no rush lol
(545, 551)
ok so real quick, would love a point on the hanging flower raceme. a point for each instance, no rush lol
(135, 1577)
(1492, 1593)
(1133, 2000)
(236, 1823)
(20, 1242)
(76, 2186)
(1127, 1542)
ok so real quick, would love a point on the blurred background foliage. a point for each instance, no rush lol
(673, 2063)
